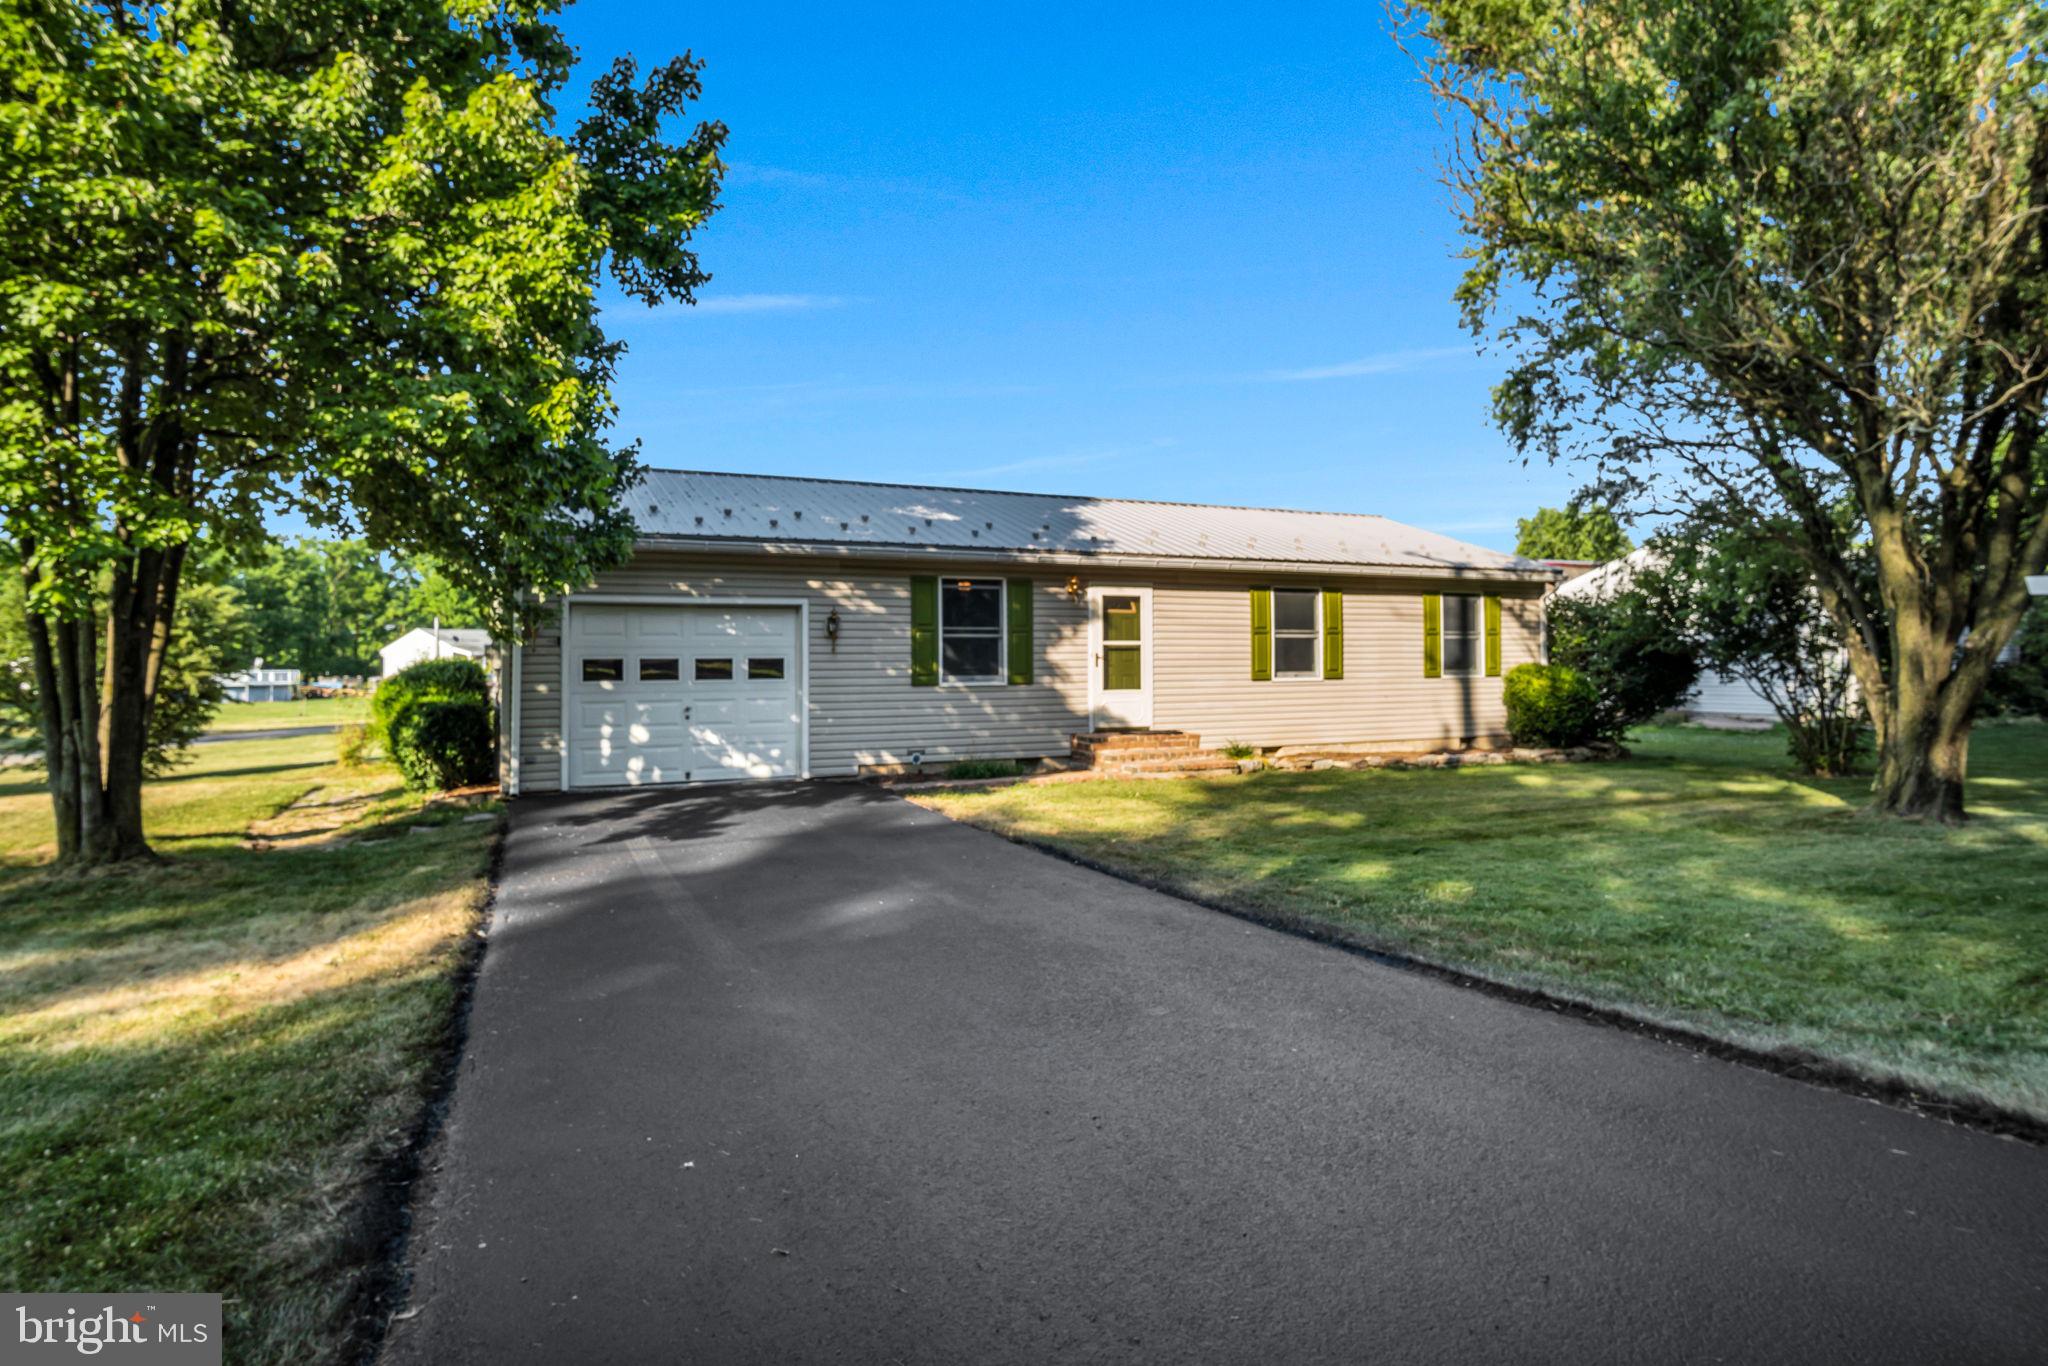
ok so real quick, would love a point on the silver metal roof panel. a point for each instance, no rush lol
(703, 505)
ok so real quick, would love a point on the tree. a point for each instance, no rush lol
(2020, 687)
(337, 258)
(322, 606)
(1577, 531)
(432, 595)
(214, 641)
(325, 606)
(1629, 649)
(1746, 606)
(1786, 256)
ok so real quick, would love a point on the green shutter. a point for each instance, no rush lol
(1432, 635)
(1492, 636)
(1333, 633)
(924, 631)
(1017, 596)
(1262, 634)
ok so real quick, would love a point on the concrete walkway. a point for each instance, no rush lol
(807, 1073)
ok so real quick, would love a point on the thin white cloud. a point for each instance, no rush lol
(838, 183)
(627, 313)
(1384, 363)
(763, 303)
(1066, 460)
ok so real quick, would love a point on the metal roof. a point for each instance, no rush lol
(463, 637)
(1611, 578)
(700, 505)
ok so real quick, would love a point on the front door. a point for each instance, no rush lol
(1120, 651)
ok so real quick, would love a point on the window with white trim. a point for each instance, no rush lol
(971, 646)
(1297, 633)
(1464, 634)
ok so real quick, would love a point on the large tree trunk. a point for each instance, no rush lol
(44, 647)
(1922, 765)
(126, 703)
(94, 741)
(1924, 750)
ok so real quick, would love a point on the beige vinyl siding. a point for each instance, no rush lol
(1202, 672)
(864, 711)
(540, 709)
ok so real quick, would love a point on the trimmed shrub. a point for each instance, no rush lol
(1627, 652)
(438, 745)
(984, 768)
(430, 680)
(1551, 705)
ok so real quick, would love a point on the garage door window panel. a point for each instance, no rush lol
(604, 670)
(659, 671)
(713, 671)
(971, 630)
(760, 668)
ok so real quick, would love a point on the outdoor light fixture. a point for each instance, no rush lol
(832, 629)
(1074, 587)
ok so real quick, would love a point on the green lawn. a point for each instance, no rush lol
(1700, 883)
(307, 711)
(202, 1064)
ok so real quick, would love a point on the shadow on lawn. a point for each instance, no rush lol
(224, 906)
(1657, 859)
(253, 1148)
(23, 784)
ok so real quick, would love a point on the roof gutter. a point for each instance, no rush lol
(1066, 559)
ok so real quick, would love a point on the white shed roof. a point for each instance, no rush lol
(461, 637)
(1612, 578)
(698, 505)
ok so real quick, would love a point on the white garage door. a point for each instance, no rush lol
(681, 694)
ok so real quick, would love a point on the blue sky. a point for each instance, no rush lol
(1138, 251)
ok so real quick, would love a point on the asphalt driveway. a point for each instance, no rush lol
(807, 1073)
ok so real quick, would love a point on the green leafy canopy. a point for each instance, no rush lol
(1768, 260)
(328, 255)
(1581, 531)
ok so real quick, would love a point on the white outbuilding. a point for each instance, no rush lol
(434, 642)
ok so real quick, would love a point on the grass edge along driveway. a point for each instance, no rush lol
(1700, 884)
(205, 1067)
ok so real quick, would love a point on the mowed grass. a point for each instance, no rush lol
(202, 1065)
(307, 711)
(1700, 883)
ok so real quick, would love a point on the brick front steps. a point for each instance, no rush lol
(1146, 754)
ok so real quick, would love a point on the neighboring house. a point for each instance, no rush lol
(428, 642)
(258, 684)
(773, 627)
(1717, 696)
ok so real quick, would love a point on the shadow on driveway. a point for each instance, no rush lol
(806, 1072)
